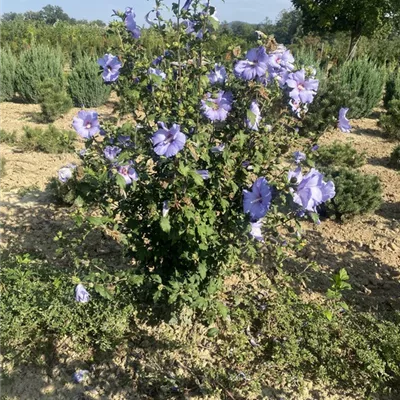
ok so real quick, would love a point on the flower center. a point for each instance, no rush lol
(124, 171)
(169, 138)
(88, 125)
(300, 86)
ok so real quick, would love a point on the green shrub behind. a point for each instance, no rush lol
(390, 122)
(54, 101)
(340, 155)
(395, 158)
(365, 81)
(7, 77)
(392, 91)
(85, 84)
(35, 65)
(50, 140)
(356, 193)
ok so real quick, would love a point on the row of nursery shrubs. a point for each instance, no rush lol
(38, 77)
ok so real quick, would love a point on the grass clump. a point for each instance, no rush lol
(340, 155)
(49, 140)
(54, 101)
(8, 137)
(2, 166)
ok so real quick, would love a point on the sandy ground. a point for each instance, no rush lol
(368, 246)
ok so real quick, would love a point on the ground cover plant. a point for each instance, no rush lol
(48, 140)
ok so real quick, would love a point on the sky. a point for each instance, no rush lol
(252, 11)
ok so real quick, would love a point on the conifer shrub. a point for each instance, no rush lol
(35, 65)
(85, 84)
(390, 122)
(366, 81)
(54, 101)
(392, 91)
(340, 155)
(356, 193)
(8, 64)
(49, 140)
(323, 111)
(395, 158)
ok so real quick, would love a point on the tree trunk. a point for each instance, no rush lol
(354, 39)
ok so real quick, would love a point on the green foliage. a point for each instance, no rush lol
(54, 101)
(8, 137)
(358, 17)
(49, 140)
(85, 84)
(392, 88)
(365, 80)
(339, 155)
(324, 110)
(35, 65)
(356, 193)
(2, 166)
(395, 158)
(390, 122)
(8, 64)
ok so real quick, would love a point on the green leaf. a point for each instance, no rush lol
(203, 270)
(328, 314)
(212, 332)
(251, 117)
(97, 221)
(102, 291)
(183, 169)
(165, 225)
(343, 275)
(120, 181)
(198, 180)
(222, 309)
(79, 202)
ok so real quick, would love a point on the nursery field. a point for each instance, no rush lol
(201, 210)
(177, 358)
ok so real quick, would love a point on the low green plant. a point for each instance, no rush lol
(49, 140)
(323, 111)
(8, 137)
(395, 158)
(36, 65)
(54, 101)
(356, 193)
(8, 64)
(390, 122)
(339, 155)
(85, 84)
(392, 91)
(2, 166)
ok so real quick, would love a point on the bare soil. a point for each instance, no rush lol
(367, 246)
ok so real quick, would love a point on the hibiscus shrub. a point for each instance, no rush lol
(8, 64)
(356, 193)
(85, 85)
(35, 65)
(193, 184)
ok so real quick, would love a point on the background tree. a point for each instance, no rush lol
(287, 26)
(358, 17)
